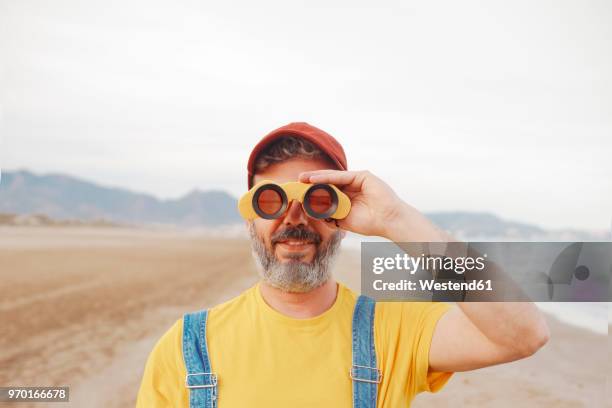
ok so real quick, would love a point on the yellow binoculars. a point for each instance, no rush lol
(270, 200)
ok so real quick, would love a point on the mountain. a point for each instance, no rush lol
(64, 197)
(482, 224)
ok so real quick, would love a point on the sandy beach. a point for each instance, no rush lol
(84, 306)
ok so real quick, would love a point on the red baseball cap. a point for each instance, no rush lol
(323, 140)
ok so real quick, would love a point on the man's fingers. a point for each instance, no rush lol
(337, 179)
(330, 176)
(305, 176)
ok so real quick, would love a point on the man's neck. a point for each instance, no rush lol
(300, 305)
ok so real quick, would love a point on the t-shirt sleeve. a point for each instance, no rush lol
(405, 331)
(161, 380)
(426, 379)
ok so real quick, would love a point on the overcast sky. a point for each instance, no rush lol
(483, 106)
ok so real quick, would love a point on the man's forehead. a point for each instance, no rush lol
(289, 170)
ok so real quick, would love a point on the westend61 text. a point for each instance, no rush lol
(432, 285)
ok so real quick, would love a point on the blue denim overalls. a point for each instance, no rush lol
(202, 381)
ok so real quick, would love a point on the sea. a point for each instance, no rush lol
(593, 316)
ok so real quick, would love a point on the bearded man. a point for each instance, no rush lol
(299, 338)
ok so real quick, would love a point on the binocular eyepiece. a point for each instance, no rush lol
(270, 200)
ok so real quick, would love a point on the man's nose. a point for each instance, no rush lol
(295, 214)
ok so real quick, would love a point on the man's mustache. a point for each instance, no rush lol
(297, 233)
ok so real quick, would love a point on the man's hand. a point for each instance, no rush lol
(376, 209)
(470, 335)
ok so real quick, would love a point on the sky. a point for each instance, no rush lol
(503, 107)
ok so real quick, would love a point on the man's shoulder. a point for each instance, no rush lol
(394, 309)
(234, 302)
(232, 309)
(176, 330)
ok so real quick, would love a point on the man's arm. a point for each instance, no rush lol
(473, 334)
(476, 335)
(470, 335)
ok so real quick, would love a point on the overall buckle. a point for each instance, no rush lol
(212, 381)
(354, 374)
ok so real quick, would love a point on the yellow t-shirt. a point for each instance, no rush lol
(263, 358)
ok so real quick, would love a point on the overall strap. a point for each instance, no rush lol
(364, 373)
(200, 380)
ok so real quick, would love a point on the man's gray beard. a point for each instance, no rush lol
(294, 275)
